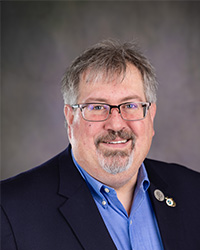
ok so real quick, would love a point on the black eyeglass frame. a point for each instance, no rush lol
(145, 106)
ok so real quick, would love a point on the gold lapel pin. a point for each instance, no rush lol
(170, 202)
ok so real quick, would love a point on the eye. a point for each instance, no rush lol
(131, 106)
(95, 107)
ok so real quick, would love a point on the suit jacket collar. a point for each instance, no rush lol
(79, 209)
(168, 218)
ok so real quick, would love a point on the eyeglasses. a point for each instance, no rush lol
(98, 112)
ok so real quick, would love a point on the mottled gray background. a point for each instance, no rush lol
(39, 40)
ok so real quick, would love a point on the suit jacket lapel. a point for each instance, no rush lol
(80, 210)
(168, 218)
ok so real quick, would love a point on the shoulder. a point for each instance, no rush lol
(37, 171)
(32, 182)
(172, 172)
(166, 167)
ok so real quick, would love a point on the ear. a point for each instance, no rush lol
(152, 112)
(69, 116)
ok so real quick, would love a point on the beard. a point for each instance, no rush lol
(115, 161)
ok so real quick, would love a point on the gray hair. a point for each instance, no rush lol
(106, 59)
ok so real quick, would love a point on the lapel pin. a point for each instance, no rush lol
(161, 197)
(170, 202)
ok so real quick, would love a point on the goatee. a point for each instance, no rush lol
(115, 161)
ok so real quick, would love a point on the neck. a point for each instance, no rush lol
(125, 196)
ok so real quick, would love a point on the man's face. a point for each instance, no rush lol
(113, 150)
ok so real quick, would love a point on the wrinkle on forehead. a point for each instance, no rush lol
(92, 76)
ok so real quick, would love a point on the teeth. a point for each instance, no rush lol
(116, 142)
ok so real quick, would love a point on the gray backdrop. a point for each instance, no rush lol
(39, 40)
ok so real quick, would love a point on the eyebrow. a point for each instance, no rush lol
(103, 100)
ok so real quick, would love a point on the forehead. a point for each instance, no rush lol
(111, 87)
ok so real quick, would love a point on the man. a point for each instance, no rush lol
(102, 192)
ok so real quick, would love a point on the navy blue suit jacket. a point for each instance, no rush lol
(50, 208)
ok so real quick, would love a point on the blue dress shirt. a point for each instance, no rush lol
(139, 231)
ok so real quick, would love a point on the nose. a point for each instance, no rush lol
(115, 121)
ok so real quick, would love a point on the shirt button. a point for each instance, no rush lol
(103, 203)
(131, 222)
(106, 190)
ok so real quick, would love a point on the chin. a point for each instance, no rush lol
(116, 164)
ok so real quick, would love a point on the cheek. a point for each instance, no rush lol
(138, 128)
(84, 132)
(143, 131)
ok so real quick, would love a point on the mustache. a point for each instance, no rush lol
(112, 135)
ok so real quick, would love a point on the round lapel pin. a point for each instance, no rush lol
(159, 195)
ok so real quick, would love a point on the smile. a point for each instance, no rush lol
(117, 142)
